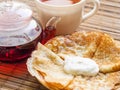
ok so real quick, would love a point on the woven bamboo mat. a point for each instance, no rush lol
(16, 77)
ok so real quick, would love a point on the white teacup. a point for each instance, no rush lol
(71, 15)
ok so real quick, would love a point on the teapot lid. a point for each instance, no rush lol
(14, 15)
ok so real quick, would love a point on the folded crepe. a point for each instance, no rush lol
(46, 62)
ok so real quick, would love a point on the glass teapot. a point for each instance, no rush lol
(20, 32)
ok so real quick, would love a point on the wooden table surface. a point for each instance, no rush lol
(16, 77)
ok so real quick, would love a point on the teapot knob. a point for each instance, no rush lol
(50, 29)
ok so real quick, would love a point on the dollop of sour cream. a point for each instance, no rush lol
(76, 65)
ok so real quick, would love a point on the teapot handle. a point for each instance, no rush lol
(50, 29)
(53, 21)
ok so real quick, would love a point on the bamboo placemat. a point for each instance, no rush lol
(16, 77)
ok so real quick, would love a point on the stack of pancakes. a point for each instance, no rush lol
(47, 61)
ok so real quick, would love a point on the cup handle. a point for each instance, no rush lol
(93, 11)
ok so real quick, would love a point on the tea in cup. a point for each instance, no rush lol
(60, 2)
(71, 13)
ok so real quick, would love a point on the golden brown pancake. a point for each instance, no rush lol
(83, 44)
(62, 45)
(46, 63)
(107, 55)
(87, 41)
(100, 82)
(96, 45)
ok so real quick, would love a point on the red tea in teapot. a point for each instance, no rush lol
(17, 53)
(13, 50)
(60, 2)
